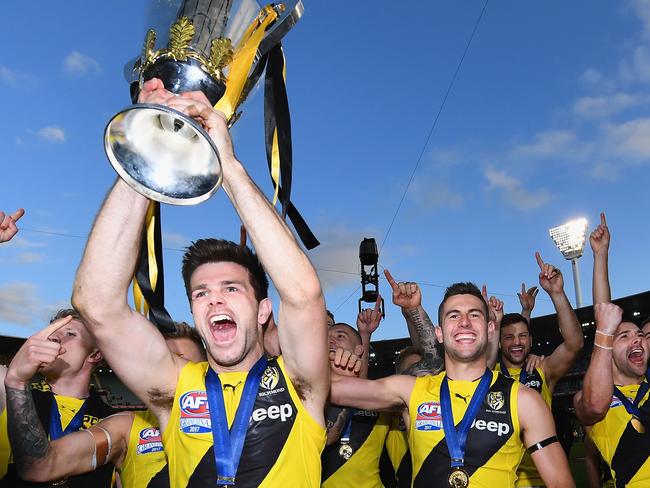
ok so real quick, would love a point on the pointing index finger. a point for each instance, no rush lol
(602, 218)
(390, 279)
(540, 261)
(18, 214)
(377, 303)
(53, 327)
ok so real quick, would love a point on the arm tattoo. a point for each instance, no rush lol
(429, 364)
(432, 360)
(28, 439)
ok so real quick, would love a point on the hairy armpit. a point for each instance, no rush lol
(303, 388)
(161, 398)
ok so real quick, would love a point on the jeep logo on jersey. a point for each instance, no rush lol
(270, 378)
(501, 428)
(195, 413)
(495, 400)
(274, 412)
(428, 416)
(534, 384)
(149, 441)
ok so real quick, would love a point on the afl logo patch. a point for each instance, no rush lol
(495, 400)
(195, 413)
(428, 416)
(270, 378)
(149, 441)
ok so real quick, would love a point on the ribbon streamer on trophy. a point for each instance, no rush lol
(166, 155)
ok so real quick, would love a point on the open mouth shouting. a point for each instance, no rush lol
(636, 356)
(516, 351)
(222, 327)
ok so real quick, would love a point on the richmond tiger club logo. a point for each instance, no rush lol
(495, 400)
(195, 413)
(149, 441)
(270, 378)
(429, 416)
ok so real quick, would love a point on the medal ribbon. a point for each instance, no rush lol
(633, 408)
(347, 431)
(228, 444)
(456, 439)
(523, 376)
(56, 431)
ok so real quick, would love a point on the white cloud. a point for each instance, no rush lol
(14, 78)
(21, 242)
(20, 304)
(52, 134)
(29, 257)
(629, 139)
(80, 64)
(547, 143)
(512, 191)
(430, 195)
(591, 76)
(603, 106)
(642, 10)
(636, 67)
(337, 258)
(604, 171)
(175, 241)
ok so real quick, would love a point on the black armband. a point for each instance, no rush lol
(542, 444)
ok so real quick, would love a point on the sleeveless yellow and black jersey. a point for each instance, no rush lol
(623, 442)
(395, 464)
(145, 464)
(527, 474)
(95, 410)
(283, 443)
(494, 448)
(369, 430)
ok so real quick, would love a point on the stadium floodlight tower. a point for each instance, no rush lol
(570, 239)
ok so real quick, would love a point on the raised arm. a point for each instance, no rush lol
(560, 361)
(527, 300)
(8, 227)
(599, 241)
(129, 342)
(593, 401)
(303, 328)
(35, 457)
(408, 297)
(391, 392)
(495, 308)
(537, 426)
(367, 322)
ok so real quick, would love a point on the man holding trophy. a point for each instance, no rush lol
(237, 418)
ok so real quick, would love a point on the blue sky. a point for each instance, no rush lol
(547, 120)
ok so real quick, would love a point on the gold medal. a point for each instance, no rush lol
(638, 426)
(346, 451)
(458, 478)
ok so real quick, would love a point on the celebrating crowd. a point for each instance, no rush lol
(236, 400)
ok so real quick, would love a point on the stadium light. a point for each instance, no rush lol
(570, 239)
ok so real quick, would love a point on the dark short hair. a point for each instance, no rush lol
(355, 332)
(64, 312)
(330, 315)
(645, 322)
(183, 330)
(513, 318)
(219, 250)
(464, 288)
(406, 352)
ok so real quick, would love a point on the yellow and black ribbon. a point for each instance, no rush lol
(277, 130)
(148, 282)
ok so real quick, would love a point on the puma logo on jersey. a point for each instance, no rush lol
(500, 428)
